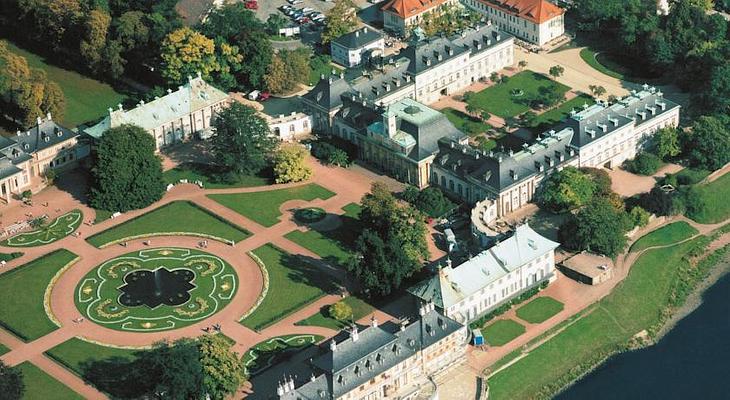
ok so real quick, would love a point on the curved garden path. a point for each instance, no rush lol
(348, 184)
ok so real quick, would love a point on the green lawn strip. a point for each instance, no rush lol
(359, 307)
(668, 234)
(712, 205)
(555, 115)
(10, 256)
(86, 99)
(3, 349)
(465, 123)
(263, 207)
(102, 215)
(539, 310)
(638, 303)
(498, 99)
(22, 310)
(502, 331)
(76, 354)
(331, 251)
(352, 210)
(589, 56)
(321, 66)
(39, 385)
(179, 218)
(274, 350)
(55, 230)
(293, 283)
(207, 174)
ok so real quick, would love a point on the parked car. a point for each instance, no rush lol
(264, 96)
(293, 2)
(307, 10)
(252, 5)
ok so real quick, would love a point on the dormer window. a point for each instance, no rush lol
(379, 359)
(26, 146)
(46, 139)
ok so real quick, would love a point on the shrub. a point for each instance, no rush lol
(330, 154)
(660, 203)
(644, 164)
(430, 201)
(639, 216)
(341, 311)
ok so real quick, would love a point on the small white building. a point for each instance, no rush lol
(353, 48)
(290, 127)
(536, 21)
(491, 278)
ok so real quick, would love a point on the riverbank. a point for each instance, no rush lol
(632, 316)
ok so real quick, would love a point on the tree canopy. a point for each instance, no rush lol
(11, 382)
(127, 174)
(707, 146)
(341, 19)
(598, 227)
(242, 141)
(222, 371)
(290, 164)
(567, 189)
(392, 245)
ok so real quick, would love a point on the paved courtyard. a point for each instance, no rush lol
(348, 185)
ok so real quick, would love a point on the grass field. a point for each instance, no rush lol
(359, 309)
(465, 123)
(3, 349)
(263, 207)
(23, 289)
(206, 174)
(665, 235)
(712, 205)
(539, 310)
(555, 115)
(55, 230)
(167, 220)
(636, 304)
(498, 99)
(502, 332)
(293, 283)
(589, 56)
(75, 354)
(86, 99)
(271, 351)
(39, 385)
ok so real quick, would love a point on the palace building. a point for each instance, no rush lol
(535, 21)
(402, 15)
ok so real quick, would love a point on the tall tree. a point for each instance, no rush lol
(11, 382)
(290, 164)
(242, 142)
(222, 371)
(177, 369)
(567, 189)
(667, 142)
(599, 227)
(556, 71)
(186, 52)
(127, 174)
(95, 35)
(341, 19)
(708, 144)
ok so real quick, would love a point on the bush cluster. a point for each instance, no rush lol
(330, 154)
(644, 164)
(430, 201)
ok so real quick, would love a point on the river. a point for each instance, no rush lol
(691, 362)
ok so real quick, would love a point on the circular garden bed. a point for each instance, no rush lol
(310, 215)
(156, 289)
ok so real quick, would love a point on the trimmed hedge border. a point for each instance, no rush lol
(265, 289)
(49, 289)
(157, 234)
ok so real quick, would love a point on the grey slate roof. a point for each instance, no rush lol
(327, 92)
(43, 135)
(498, 171)
(376, 350)
(589, 124)
(358, 38)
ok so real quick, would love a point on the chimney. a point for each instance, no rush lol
(48, 117)
(200, 76)
(321, 76)
(169, 91)
(354, 334)
(365, 30)
(342, 75)
(373, 322)
(357, 33)
(333, 345)
(39, 120)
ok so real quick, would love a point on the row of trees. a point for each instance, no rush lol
(25, 92)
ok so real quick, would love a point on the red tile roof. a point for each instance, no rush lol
(537, 11)
(408, 8)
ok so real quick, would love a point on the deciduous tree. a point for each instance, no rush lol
(222, 370)
(95, 35)
(127, 174)
(567, 189)
(556, 71)
(290, 164)
(341, 19)
(11, 382)
(599, 227)
(186, 52)
(708, 144)
(667, 142)
(341, 311)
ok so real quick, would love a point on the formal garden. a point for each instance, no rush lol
(264, 207)
(502, 331)
(46, 233)
(23, 313)
(539, 310)
(165, 220)
(212, 178)
(40, 385)
(290, 283)
(156, 289)
(356, 307)
(271, 351)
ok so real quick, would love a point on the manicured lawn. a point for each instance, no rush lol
(9, 256)
(502, 332)
(23, 291)
(691, 176)
(359, 309)
(665, 235)
(86, 99)
(331, 251)
(636, 304)
(207, 174)
(168, 219)
(76, 354)
(498, 99)
(352, 210)
(589, 56)
(539, 310)
(555, 115)
(39, 385)
(465, 123)
(712, 205)
(102, 215)
(293, 283)
(274, 350)
(3, 349)
(55, 230)
(263, 207)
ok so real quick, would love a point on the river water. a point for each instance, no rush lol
(691, 362)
